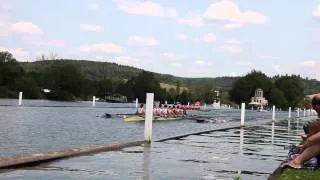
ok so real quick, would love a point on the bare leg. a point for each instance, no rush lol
(306, 155)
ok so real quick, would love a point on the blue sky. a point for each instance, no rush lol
(189, 38)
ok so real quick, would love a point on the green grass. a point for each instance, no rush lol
(301, 174)
(169, 86)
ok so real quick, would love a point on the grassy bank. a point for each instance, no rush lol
(291, 174)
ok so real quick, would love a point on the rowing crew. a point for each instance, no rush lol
(163, 110)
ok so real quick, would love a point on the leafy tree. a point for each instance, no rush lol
(146, 83)
(278, 98)
(292, 89)
(244, 88)
(28, 86)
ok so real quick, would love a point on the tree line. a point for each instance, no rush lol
(80, 80)
(281, 91)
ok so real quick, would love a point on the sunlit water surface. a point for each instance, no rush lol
(253, 152)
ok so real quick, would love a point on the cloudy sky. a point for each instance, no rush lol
(191, 38)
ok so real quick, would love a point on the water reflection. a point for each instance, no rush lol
(241, 146)
(272, 132)
(241, 140)
(146, 162)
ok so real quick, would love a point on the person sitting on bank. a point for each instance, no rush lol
(311, 141)
(140, 110)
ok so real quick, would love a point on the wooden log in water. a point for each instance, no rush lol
(37, 158)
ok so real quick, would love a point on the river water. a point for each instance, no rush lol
(40, 125)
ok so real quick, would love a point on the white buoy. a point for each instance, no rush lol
(289, 116)
(93, 101)
(148, 118)
(273, 112)
(166, 102)
(137, 103)
(188, 103)
(20, 98)
(229, 107)
(243, 106)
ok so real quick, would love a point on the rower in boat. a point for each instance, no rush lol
(164, 111)
(170, 111)
(157, 110)
(141, 111)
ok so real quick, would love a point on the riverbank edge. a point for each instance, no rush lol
(24, 160)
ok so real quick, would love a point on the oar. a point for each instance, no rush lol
(107, 115)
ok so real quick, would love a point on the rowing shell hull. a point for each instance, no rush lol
(138, 119)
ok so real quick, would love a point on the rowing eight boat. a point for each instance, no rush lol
(140, 118)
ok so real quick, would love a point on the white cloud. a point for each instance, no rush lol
(207, 38)
(309, 63)
(232, 41)
(199, 62)
(93, 7)
(234, 74)
(143, 41)
(4, 29)
(102, 47)
(18, 53)
(232, 49)
(129, 61)
(145, 8)
(42, 41)
(226, 10)
(268, 57)
(173, 56)
(91, 27)
(280, 70)
(176, 65)
(3, 16)
(316, 12)
(232, 26)
(26, 28)
(182, 37)
(310, 68)
(126, 59)
(191, 19)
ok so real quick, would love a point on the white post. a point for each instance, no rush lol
(289, 113)
(251, 108)
(148, 118)
(20, 98)
(205, 106)
(93, 101)
(166, 102)
(298, 112)
(243, 106)
(229, 107)
(188, 103)
(137, 103)
(304, 112)
(273, 112)
(238, 107)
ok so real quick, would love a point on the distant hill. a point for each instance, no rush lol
(99, 70)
